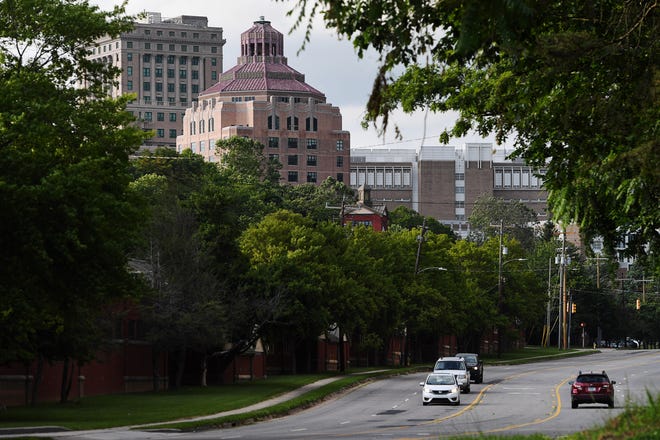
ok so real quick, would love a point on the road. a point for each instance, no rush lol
(523, 399)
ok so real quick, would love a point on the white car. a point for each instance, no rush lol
(457, 367)
(440, 387)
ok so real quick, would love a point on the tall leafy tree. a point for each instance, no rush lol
(68, 215)
(574, 83)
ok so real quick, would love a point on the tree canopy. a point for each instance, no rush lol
(574, 83)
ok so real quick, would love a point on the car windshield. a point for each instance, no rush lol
(470, 359)
(444, 379)
(449, 365)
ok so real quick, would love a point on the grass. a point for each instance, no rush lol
(139, 408)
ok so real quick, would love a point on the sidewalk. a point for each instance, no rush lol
(116, 433)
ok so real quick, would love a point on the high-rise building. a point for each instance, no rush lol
(444, 182)
(264, 99)
(166, 63)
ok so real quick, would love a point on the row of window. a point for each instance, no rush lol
(171, 47)
(171, 100)
(160, 116)
(182, 34)
(312, 177)
(311, 123)
(158, 87)
(158, 72)
(171, 59)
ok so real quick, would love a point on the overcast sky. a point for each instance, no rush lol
(329, 64)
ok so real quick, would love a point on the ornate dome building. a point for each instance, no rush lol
(265, 99)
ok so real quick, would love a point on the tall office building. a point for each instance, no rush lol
(264, 99)
(444, 182)
(166, 63)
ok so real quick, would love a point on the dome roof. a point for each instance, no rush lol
(262, 67)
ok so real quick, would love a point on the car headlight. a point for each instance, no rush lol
(462, 376)
(454, 390)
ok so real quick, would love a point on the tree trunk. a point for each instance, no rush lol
(37, 380)
(180, 365)
(155, 367)
(67, 378)
(204, 368)
(340, 355)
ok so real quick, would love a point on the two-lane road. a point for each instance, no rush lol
(532, 398)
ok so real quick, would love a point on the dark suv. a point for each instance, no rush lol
(474, 365)
(592, 388)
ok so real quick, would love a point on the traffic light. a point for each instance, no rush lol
(573, 308)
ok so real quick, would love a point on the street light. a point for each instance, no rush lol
(500, 289)
(431, 268)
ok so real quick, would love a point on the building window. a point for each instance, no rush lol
(173, 133)
(292, 123)
(160, 133)
(292, 176)
(183, 88)
(311, 124)
(311, 160)
(195, 61)
(184, 48)
(211, 124)
(274, 158)
(460, 190)
(147, 46)
(340, 145)
(160, 116)
(171, 73)
(183, 73)
(170, 33)
(171, 87)
(129, 45)
(201, 126)
(215, 50)
(146, 86)
(170, 59)
(159, 86)
(184, 34)
(159, 72)
(292, 159)
(214, 75)
(129, 56)
(172, 117)
(214, 61)
(146, 58)
(195, 48)
(148, 116)
(194, 88)
(274, 142)
(292, 142)
(129, 71)
(129, 84)
(195, 74)
(459, 204)
(311, 176)
(459, 176)
(159, 58)
(340, 161)
(276, 125)
(312, 144)
(146, 71)
(340, 177)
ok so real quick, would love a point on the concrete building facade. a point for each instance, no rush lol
(444, 182)
(166, 63)
(264, 99)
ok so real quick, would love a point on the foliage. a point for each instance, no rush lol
(68, 215)
(408, 219)
(574, 83)
(489, 214)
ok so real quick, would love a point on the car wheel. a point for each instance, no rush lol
(574, 404)
(611, 403)
(467, 390)
(458, 402)
(425, 403)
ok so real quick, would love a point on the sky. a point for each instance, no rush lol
(329, 64)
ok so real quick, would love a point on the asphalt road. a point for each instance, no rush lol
(523, 399)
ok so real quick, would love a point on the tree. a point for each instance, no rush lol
(68, 215)
(490, 213)
(409, 218)
(574, 83)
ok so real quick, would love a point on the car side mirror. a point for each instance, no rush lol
(421, 384)
(613, 382)
(571, 382)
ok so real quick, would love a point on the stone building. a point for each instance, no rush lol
(265, 99)
(166, 63)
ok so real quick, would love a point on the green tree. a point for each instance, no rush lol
(574, 83)
(489, 214)
(68, 215)
(407, 218)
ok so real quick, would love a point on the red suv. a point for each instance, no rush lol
(592, 388)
